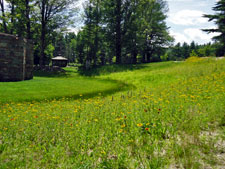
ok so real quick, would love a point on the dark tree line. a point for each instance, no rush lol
(185, 50)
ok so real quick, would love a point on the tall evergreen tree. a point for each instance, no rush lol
(219, 19)
(112, 15)
(93, 30)
(153, 29)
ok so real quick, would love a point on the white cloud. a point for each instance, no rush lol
(188, 17)
(198, 35)
(74, 30)
(189, 0)
(192, 34)
(80, 3)
(180, 0)
(179, 37)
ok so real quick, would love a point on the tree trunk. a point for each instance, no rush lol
(102, 58)
(149, 55)
(28, 20)
(43, 33)
(143, 57)
(95, 48)
(12, 17)
(134, 50)
(134, 56)
(96, 34)
(118, 31)
(3, 16)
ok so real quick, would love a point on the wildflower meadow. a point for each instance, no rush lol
(157, 115)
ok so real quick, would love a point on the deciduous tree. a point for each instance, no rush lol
(53, 15)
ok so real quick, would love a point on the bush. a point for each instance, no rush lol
(194, 59)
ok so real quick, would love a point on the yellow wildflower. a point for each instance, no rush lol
(139, 124)
(123, 125)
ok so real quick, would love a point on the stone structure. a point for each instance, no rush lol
(16, 58)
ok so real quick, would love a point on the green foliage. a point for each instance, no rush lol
(164, 57)
(193, 54)
(37, 20)
(114, 29)
(49, 51)
(181, 52)
(194, 59)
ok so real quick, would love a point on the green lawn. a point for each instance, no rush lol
(55, 86)
(158, 115)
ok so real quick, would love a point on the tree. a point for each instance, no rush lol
(8, 18)
(193, 54)
(185, 51)
(52, 16)
(12, 6)
(130, 33)
(178, 50)
(3, 17)
(124, 29)
(92, 28)
(27, 12)
(17, 18)
(219, 20)
(80, 47)
(70, 40)
(24, 18)
(153, 30)
(118, 12)
(113, 18)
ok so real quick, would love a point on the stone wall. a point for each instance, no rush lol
(16, 58)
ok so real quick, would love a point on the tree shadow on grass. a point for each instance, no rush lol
(52, 74)
(107, 69)
(95, 71)
(121, 86)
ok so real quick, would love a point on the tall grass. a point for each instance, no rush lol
(161, 123)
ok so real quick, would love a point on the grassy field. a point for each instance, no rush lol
(158, 115)
(47, 86)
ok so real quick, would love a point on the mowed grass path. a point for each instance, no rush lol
(172, 116)
(46, 86)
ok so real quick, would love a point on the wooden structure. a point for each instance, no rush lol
(59, 61)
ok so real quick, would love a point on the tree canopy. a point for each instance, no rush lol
(123, 30)
(113, 31)
(38, 20)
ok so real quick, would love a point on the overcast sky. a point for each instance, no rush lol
(185, 20)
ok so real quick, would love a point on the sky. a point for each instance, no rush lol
(185, 20)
